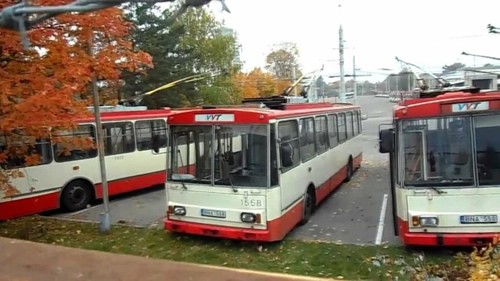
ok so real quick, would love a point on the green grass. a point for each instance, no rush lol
(320, 259)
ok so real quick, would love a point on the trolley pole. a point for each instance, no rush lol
(104, 218)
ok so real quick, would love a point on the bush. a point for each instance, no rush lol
(479, 265)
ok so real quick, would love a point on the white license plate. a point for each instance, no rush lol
(479, 219)
(213, 213)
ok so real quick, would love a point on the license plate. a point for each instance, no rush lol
(213, 213)
(479, 219)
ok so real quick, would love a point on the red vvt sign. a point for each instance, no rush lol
(470, 106)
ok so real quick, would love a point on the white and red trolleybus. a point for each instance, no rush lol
(135, 146)
(255, 172)
(444, 152)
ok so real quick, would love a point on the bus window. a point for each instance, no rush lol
(321, 134)
(342, 127)
(487, 131)
(349, 125)
(307, 139)
(64, 147)
(441, 149)
(355, 122)
(332, 130)
(18, 147)
(150, 131)
(288, 134)
(118, 138)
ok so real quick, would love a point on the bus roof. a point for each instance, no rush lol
(252, 113)
(450, 103)
(130, 115)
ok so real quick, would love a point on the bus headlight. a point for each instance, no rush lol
(179, 211)
(248, 217)
(428, 221)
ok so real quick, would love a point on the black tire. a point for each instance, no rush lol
(76, 195)
(350, 171)
(308, 207)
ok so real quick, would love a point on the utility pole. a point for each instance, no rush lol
(354, 79)
(105, 222)
(294, 74)
(341, 54)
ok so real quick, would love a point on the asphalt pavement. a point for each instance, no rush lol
(354, 214)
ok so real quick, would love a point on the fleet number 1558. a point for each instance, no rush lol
(251, 202)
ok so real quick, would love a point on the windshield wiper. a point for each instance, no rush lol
(439, 191)
(225, 163)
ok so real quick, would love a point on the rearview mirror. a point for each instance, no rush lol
(155, 145)
(386, 141)
(286, 152)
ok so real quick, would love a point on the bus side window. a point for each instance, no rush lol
(288, 133)
(307, 139)
(151, 135)
(342, 127)
(42, 148)
(321, 134)
(118, 138)
(332, 130)
(65, 151)
(355, 122)
(349, 125)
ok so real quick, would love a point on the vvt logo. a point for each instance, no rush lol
(213, 117)
(468, 106)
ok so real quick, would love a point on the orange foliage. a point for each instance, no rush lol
(49, 90)
(255, 84)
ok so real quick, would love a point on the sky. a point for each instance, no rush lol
(427, 33)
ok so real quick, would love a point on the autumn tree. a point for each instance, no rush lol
(256, 84)
(44, 89)
(282, 59)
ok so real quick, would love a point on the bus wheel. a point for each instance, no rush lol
(308, 206)
(76, 195)
(350, 170)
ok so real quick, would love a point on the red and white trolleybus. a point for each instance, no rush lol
(135, 142)
(444, 152)
(254, 172)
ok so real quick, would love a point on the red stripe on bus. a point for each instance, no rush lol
(444, 239)
(29, 206)
(132, 183)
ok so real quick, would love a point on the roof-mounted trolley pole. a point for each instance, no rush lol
(440, 80)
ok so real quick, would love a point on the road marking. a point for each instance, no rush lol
(380, 230)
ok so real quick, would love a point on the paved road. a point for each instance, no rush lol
(351, 215)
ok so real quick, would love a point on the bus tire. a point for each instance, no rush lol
(76, 195)
(308, 209)
(350, 170)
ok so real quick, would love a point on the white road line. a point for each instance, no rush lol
(380, 230)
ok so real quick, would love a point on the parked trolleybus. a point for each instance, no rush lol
(135, 146)
(254, 172)
(444, 152)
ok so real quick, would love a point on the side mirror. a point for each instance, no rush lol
(386, 141)
(286, 152)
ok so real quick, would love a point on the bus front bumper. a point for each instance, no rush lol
(445, 239)
(217, 231)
